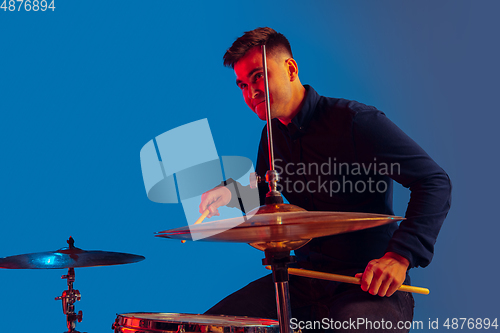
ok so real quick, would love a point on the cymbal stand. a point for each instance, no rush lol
(272, 176)
(279, 262)
(69, 297)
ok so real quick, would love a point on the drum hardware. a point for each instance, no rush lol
(288, 228)
(279, 263)
(255, 179)
(144, 322)
(277, 260)
(272, 176)
(69, 298)
(277, 229)
(69, 257)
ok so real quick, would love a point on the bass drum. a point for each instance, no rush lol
(148, 322)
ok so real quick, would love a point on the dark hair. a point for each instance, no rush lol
(273, 40)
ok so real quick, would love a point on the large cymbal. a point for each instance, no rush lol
(68, 257)
(286, 230)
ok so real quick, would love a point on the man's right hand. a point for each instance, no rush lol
(213, 199)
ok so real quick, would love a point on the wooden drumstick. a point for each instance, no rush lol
(347, 279)
(200, 219)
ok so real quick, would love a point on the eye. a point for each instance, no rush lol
(242, 86)
(258, 76)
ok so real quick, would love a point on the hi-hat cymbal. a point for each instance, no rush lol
(286, 230)
(68, 257)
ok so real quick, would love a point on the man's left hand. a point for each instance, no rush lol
(385, 275)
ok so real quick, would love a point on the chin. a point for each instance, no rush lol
(261, 115)
(261, 111)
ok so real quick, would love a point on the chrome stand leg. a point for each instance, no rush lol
(279, 262)
(283, 305)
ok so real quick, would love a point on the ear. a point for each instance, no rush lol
(292, 68)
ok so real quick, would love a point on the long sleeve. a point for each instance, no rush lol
(375, 136)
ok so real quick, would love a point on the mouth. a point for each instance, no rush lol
(257, 103)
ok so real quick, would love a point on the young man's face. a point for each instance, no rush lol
(250, 79)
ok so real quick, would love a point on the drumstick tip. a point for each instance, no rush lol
(203, 216)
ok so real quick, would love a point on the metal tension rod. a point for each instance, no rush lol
(272, 177)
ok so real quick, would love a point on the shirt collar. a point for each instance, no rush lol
(301, 120)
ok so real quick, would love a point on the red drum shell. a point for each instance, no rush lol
(153, 322)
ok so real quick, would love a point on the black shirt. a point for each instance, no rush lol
(341, 155)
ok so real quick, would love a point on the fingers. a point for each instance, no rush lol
(216, 203)
(206, 203)
(375, 284)
(396, 283)
(375, 280)
(384, 286)
(393, 288)
(213, 210)
(383, 276)
(366, 280)
(213, 199)
(389, 287)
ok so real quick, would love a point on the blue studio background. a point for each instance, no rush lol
(84, 87)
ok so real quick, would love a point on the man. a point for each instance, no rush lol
(336, 155)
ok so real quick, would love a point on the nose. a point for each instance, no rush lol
(252, 91)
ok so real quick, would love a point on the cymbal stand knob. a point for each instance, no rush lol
(255, 179)
(69, 297)
(79, 317)
(69, 277)
(273, 196)
(76, 296)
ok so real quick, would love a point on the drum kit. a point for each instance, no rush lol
(68, 257)
(275, 228)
